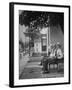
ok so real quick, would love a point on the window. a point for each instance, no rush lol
(43, 48)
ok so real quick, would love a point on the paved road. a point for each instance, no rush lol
(33, 70)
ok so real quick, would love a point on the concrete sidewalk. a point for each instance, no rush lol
(22, 62)
(33, 69)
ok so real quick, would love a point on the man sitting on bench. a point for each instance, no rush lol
(55, 57)
(58, 56)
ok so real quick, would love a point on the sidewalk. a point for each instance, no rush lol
(33, 69)
(23, 62)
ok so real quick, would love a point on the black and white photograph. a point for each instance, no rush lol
(41, 44)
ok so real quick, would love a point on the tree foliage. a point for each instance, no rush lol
(35, 19)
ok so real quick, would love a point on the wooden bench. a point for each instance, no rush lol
(46, 62)
(55, 61)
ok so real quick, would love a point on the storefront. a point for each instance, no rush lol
(41, 44)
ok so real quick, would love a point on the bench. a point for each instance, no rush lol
(55, 61)
(48, 61)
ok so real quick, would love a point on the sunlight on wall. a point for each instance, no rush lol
(22, 29)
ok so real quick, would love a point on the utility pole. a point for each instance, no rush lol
(47, 40)
(48, 36)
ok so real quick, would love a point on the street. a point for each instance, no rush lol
(33, 69)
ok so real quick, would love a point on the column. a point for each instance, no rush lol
(47, 40)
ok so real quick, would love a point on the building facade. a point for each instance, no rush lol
(41, 44)
(49, 36)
